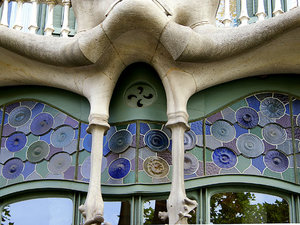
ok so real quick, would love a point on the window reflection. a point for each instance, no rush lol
(153, 207)
(117, 213)
(46, 211)
(248, 207)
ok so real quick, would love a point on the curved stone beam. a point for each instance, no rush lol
(209, 44)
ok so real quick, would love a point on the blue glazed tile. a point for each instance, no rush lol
(247, 117)
(132, 128)
(287, 109)
(276, 161)
(110, 132)
(41, 124)
(224, 158)
(207, 129)
(12, 168)
(16, 142)
(46, 137)
(259, 163)
(62, 137)
(157, 140)
(1, 114)
(83, 128)
(119, 168)
(6, 118)
(197, 127)
(144, 128)
(87, 142)
(253, 102)
(239, 130)
(28, 169)
(296, 107)
(38, 108)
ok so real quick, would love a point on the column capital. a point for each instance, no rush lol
(66, 2)
(176, 118)
(98, 120)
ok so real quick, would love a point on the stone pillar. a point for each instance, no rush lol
(179, 206)
(65, 30)
(49, 29)
(33, 27)
(92, 210)
(18, 22)
(4, 18)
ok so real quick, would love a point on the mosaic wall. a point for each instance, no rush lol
(258, 135)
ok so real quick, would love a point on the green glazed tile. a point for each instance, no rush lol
(208, 156)
(270, 173)
(239, 104)
(289, 175)
(21, 154)
(42, 168)
(155, 126)
(31, 138)
(198, 152)
(130, 178)
(104, 176)
(243, 163)
(16, 180)
(51, 110)
(82, 156)
(3, 181)
(257, 131)
(144, 178)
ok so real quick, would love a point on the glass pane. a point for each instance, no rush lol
(151, 210)
(46, 211)
(248, 207)
(117, 213)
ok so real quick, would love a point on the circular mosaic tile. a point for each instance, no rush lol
(12, 168)
(16, 142)
(250, 145)
(156, 140)
(156, 167)
(191, 164)
(223, 131)
(190, 140)
(274, 134)
(272, 108)
(19, 116)
(224, 158)
(119, 168)
(59, 163)
(120, 141)
(41, 123)
(86, 167)
(87, 142)
(62, 137)
(247, 117)
(140, 95)
(37, 151)
(276, 161)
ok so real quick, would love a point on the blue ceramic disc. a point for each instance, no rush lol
(223, 131)
(86, 168)
(120, 141)
(119, 168)
(191, 164)
(12, 168)
(19, 116)
(190, 140)
(272, 108)
(247, 117)
(16, 142)
(276, 161)
(224, 158)
(156, 140)
(274, 134)
(250, 145)
(87, 142)
(59, 163)
(156, 167)
(41, 124)
(62, 137)
(37, 151)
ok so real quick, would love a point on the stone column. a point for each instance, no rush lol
(65, 30)
(33, 27)
(18, 22)
(49, 29)
(92, 210)
(4, 20)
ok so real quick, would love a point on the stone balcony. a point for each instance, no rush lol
(51, 17)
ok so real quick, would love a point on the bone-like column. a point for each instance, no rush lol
(49, 29)
(18, 22)
(65, 30)
(179, 206)
(92, 210)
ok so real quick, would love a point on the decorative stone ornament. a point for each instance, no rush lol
(250, 145)
(276, 161)
(156, 167)
(247, 117)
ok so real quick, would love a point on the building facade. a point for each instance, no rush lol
(149, 112)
